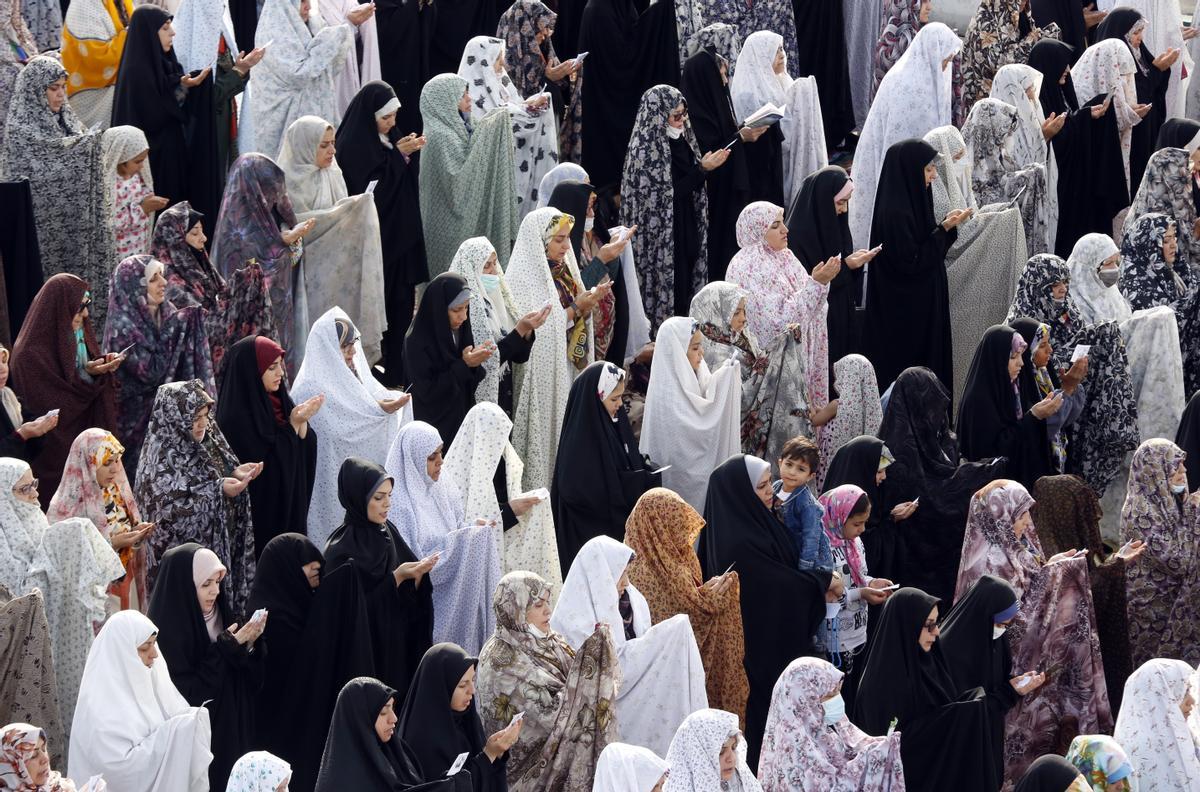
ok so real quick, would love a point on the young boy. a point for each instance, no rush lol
(800, 512)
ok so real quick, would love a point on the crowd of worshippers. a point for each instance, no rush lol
(432, 395)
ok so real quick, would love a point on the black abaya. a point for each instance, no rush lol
(907, 320)
(356, 759)
(1068, 15)
(607, 31)
(279, 496)
(400, 616)
(977, 659)
(946, 738)
(1187, 437)
(1087, 151)
(687, 177)
(711, 113)
(443, 385)
(222, 675)
(363, 159)
(436, 733)
(781, 605)
(601, 475)
(821, 41)
(916, 430)
(406, 31)
(1177, 133)
(988, 425)
(816, 232)
(149, 96)
(1151, 89)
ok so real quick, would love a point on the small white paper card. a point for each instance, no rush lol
(458, 764)
(1080, 351)
(371, 185)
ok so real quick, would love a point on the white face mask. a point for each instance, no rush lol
(588, 222)
(832, 609)
(1179, 489)
(537, 633)
(673, 132)
(835, 709)
(997, 631)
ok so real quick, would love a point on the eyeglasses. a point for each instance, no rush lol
(678, 115)
(929, 626)
(83, 306)
(351, 342)
(27, 489)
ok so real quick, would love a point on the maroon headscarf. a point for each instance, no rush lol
(267, 352)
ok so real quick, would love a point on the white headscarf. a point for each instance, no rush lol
(479, 447)
(692, 419)
(428, 514)
(1164, 29)
(350, 423)
(590, 597)
(754, 80)
(199, 24)
(22, 526)
(1152, 730)
(913, 98)
(695, 754)
(258, 771)
(859, 412)
(542, 384)
(1096, 302)
(488, 89)
(127, 720)
(563, 171)
(628, 768)
(309, 187)
(1011, 85)
(493, 311)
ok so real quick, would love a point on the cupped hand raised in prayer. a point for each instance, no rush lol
(37, 428)
(289, 237)
(232, 486)
(1142, 109)
(131, 538)
(1101, 108)
(614, 248)
(1167, 59)
(152, 203)
(249, 632)
(714, 159)
(1131, 550)
(1053, 125)
(861, 256)
(1190, 33)
(104, 365)
(246, 61)
(1047, 406)
(390, 406)
(956, 217)
(475, 354)
(827, 270)
(360, 14)
(532, 321)
(1092, 17)
(1073, 376)
(521, 506)
(411, 143)
(499, 743)
(187, 81)
(415, 570)
(303, 411)
(1066, 555)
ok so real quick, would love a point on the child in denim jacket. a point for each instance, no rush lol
(798, 509)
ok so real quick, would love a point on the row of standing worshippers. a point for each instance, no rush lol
(970, 654)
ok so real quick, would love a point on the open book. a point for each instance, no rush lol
(766, 115)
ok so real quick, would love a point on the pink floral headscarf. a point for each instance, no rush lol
(78, 494)
(838, 503)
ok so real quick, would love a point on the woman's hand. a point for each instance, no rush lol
(1074, 375)
(415, 570)
(532, 321)
(862, 256)
(827, 270)
(749, 135)
(1131, 550)
(187, 81)
(232, 487)
(1066, 555)
(1167, 59)
(956, 217)
(289, 237)
(499, 743)
(1053, 125)
(714, 159)
(475, 354)
(824, 415)
(246, 61)
(360, 14)
(1101, 108)
(152, 203)
(32, 429)
(410, 143)
(557, 70)
(902, 511)
(1027, 683)
(719, 584)
(390, 406)
(131, 538)
(1142, 109)
(873, 596)
(1092, 17)
(616, 247)
(1047, 406)
(249, 632)
(103, 365)
(303, 411)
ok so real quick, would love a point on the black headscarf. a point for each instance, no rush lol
(815, 230)
(974, 657)
(436, 733)
(354, 757)
(443, 386)
(147, 91)
(174, 602)
(857, 463)
(572, 196)
(1050, 773)
(1188, 438)
(1052, 57)
(781, 606)
(280, 584)
(592, 492)
(900, 679)
(375, 549)
(1176, 133)
(1117, 25)
(903, 201)
(244, 410)
(360, 153)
